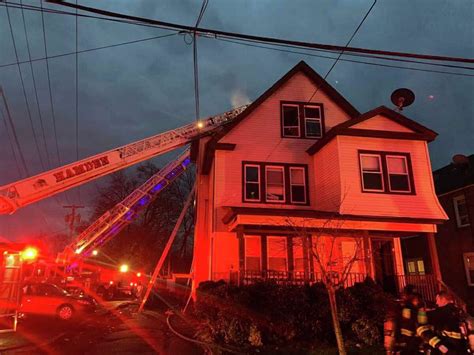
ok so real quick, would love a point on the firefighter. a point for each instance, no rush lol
(441, 327)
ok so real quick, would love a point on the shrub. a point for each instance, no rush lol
(266, 313)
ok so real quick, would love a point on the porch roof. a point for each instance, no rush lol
(317, 220)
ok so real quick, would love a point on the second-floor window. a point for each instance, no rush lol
(461, 211)
(302, 120)
(386, 172)
(275, 183)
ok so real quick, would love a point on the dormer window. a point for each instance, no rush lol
(302, 120)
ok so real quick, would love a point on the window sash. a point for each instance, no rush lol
(293, 183)
(372, 172)
(246, 183)
(298, 255)
(275, 185)
(405, 174)
(462, 217)
(285, 127)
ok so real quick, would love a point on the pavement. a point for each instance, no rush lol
(116, 329)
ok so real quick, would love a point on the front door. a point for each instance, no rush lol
(384, 265)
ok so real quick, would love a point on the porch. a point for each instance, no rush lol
(426, 285)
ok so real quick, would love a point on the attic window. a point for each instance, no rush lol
(302, 120)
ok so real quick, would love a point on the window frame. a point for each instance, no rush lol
(302, 119)
(361, 156)
(305, 185)
(385, 176)
(456, 199)
(285, 240)
(286, 183)
(415, 262)
(279, 167)
(288, 104)
(259, 183)
(470, 281)
(407, 173)
(306, 119)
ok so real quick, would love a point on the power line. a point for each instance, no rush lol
(77, 97)
(34, 87)
(24, 91)
(343, 59)
(11, 144)
(89, 50)
(33, 8)
(195, 58)
(205, 31)
(347, 44)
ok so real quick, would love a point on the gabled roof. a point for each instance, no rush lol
(420, 132)
(300, 67)
(454, 176)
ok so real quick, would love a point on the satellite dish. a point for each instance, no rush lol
(460, 160)
(402, 98)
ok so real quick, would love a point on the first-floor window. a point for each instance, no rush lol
(275, 184)
(461, 211)
(469, 265)
(277, 254)
(415, 267)
(298, 255)
(253, 253)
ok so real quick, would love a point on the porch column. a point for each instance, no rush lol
(397, 251)
(368, 256)
(430, 237)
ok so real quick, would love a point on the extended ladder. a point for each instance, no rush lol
(123, 213)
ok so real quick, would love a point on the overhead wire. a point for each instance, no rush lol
(195, 59)
(280, 44)
(24, 91)
(11, 144)
(48, 157)
(241, 43)
(347, 44)
(77, 97)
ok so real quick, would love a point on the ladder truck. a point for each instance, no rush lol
(21, 193)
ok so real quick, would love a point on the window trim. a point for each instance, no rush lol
(385, 177)
(417, 269)
(305, 183)
(286, 182)
(470, 282)
(379, 157)
(285, 239)
(279, 167)
(247, 236)
(259, 183)
(302, 120)
(456, 211)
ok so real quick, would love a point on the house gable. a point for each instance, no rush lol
(381, 122)
(300, 84)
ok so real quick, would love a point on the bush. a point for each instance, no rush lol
(266, 313)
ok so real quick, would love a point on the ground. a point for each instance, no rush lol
(119, 330)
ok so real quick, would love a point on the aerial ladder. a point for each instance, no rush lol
(32, 189)
(124, 212)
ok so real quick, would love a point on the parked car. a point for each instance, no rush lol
(49, 299)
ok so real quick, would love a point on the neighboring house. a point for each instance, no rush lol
(301, 156)
(455, 238)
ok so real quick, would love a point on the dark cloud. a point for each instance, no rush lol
(130, 92)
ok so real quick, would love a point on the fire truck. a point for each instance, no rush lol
(71, 261)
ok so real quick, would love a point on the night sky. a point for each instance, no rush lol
(133, 91)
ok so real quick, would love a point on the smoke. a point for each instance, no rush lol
(239, 98)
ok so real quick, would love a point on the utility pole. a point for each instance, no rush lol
(72, 218)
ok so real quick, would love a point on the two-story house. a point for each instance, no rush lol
(301, 160)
